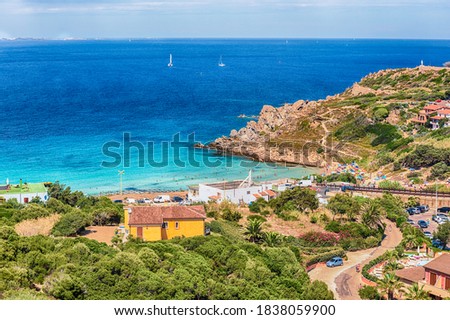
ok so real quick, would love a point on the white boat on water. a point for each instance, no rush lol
(221, 64)
(170, 65)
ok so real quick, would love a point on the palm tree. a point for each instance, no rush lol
(254, 230)
(390, 285)
(392, 255)
(372, 215)
(414, 238)
(417, 293)
(271, 238)
(391, 266)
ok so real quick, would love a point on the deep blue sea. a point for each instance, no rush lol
(61, 101)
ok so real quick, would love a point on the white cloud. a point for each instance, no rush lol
(59, 6)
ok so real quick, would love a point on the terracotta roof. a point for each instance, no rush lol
(446, 111)
(271, 193)
(214, 197)
(433, 107)
(155, 215)
(440, 264)
(263, 193)
(414, 274)
(437, 118)
(257, 195)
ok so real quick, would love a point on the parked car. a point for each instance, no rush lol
(435, 218)
(147, 201)
(422, 209)
(131, 200)
(412, 211)
(444, 209)
(437, 243)
(428, 234)
(161, 199)
(411, 222)
(442, 216)
(422, 223)
(177, 199)
(118, 201)
(334, 262)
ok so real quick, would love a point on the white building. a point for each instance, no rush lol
(24, 193)
(245, 191)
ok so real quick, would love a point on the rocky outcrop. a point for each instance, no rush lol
(307, 132)
(261, 140)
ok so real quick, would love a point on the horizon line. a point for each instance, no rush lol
(208, 38)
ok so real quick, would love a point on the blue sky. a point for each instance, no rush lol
(428, 19)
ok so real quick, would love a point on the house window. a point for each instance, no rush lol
(248, 192)
(177, 225)
(165, 225)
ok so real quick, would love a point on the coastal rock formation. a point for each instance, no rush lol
(315, 133)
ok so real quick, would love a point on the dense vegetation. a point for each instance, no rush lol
(232, 263)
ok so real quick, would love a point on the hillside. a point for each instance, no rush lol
(370, 122)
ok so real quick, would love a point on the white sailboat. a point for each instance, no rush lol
(170, 65)
(221, 64)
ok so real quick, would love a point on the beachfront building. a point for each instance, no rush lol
(23, 193)
(153, 223)
(433, 276)
(241, 191)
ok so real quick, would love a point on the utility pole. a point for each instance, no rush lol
(435, 182)
(121, 173)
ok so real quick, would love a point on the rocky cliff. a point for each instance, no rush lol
(315, 133)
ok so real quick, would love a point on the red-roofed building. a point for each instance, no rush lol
(153, 223)
(433, 276)
(432, 108)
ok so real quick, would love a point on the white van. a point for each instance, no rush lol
(131, 200)
(162, 199)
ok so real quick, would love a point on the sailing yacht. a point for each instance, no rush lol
(170, 65)
(221, 64)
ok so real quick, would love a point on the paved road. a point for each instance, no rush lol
(344, 281)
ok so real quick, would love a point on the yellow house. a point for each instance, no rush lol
(153, 223)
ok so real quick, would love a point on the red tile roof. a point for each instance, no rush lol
(271, 193)
(155, 215)
(257, 195)
(433, 107)
(446, 111)
(414, 274)
(437, 118)
(440, 264)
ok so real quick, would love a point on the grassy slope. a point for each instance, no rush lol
(377, 109)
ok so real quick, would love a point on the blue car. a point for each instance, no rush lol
(422, 223)
(334, 262)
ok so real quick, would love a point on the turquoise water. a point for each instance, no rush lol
(60, 102)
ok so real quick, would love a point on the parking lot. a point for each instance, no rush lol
(427, 216)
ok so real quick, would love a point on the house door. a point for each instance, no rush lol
(139, 232)
(433, 278)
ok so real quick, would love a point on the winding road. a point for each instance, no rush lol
(344, 281)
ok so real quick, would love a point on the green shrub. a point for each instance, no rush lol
(71, 223)
(256, 217)
(231, 215)
(369, 293)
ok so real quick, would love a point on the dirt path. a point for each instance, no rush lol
(345, 281)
